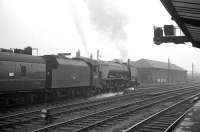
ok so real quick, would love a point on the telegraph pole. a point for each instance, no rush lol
(97, 55)
(168, 75)
(192, 72)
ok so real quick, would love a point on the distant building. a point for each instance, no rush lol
(150, 71)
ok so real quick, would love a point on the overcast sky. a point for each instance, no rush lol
(120, 29)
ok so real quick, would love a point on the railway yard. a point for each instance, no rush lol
(147, 108)
(70, 86)
(53, 93)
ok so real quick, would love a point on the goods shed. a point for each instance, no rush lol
(151, 71)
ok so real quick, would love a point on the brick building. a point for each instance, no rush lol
(150, 71)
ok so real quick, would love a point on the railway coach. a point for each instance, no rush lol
(22, 78)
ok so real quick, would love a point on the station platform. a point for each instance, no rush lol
(191, 121)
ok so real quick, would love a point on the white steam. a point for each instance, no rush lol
(110, 21)
(79, 28)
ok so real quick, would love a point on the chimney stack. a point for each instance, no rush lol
(78, 54)
(97, 55)
(91, 56)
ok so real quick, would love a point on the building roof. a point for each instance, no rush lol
(144, 63)
(187, 16)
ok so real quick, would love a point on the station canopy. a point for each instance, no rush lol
(186, 13)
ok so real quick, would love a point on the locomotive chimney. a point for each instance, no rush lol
(129, 68)
(128, 62)
(78, 54)
(97, 54)
(91, 56)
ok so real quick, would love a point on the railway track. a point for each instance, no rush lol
(165, 120)
(9, 122)
(97, 119)
(139, 90)
(60, 103)
(168, 85)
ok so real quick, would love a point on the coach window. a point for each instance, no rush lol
(23, 70)
(11, 75)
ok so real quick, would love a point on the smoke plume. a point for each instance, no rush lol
(110, 21)
(79, 28)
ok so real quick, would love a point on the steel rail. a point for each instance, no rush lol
(79, 106)
(86, 102)
(82, 103)
(169, 120)
(105, 114)
(139, 90)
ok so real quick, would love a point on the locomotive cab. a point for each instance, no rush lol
(133, 80)
(94, 73)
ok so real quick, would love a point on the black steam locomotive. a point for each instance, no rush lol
(26, 79)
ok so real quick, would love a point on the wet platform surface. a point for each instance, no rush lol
(191, 121)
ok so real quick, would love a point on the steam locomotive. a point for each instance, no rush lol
(27, 79)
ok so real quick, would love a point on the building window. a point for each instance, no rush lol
(23, 70)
